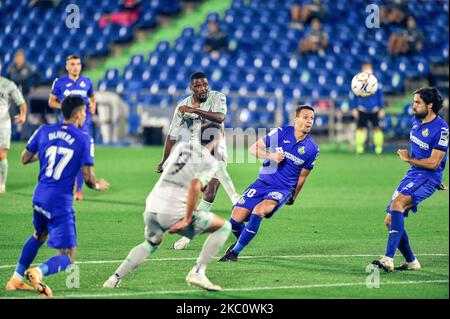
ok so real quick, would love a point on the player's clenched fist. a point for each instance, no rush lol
(277, 157)
(403, 154)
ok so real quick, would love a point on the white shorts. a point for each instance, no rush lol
(5, 138)
(156, 224)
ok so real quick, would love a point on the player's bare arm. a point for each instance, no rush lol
(22, 117)
(91, 181)
(431, 162)
(92, 104)
(53, 102)
(194, 191)
(259, 150)
(301, 181)
(217, 117)
(27, 157)
(167, 148)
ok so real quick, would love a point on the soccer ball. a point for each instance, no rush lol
(364, 84)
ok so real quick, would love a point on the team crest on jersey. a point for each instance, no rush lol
(425, 132)
(241, 200)
(301, 150)
(82, 84)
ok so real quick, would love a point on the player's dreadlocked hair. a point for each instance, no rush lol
(70, 104)
(431, 95)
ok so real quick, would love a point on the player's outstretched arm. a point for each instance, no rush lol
(259, 150)
(193, 195)
(27, 157)
(91, 181)
(431, 162)
(301, 181)
(53, 102)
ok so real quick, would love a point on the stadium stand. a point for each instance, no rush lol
(260, 72)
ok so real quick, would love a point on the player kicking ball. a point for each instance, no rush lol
(171, 206)
(289, 154)
(429, 145)
(62, 150)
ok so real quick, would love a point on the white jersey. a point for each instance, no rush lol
(216, 102)
(8, 93)
(188, 161)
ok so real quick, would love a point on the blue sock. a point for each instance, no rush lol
(395, 232)
(236, 227)
(405, 249)
(29, 252)
(80, 180)
(248, 233)
(55, 264)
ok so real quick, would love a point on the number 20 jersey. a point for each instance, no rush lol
(63, 150)
(188, 161)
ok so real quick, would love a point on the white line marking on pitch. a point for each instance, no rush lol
(169, 292)
(87, 262)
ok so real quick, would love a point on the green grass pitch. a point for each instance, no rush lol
(318, 248)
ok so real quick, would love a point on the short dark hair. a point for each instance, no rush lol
(197, 75)
(303, 107)
(73, 57)
(210, 132)
(70, 104)
(431, 95)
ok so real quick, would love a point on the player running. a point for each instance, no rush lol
(171, 206)
(429, 145)
(62, 150)
(202, 107)
(8, 92)
(288, 162)
(74, 83)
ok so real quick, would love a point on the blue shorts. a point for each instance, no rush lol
(260, 190)
(418, 187)
(61, 228)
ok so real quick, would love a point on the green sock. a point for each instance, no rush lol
(378, 140)
(360, 140)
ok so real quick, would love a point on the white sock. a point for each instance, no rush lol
(204, 206)
(225, 180)
(3, 172)
(213, 244)
(135, 257)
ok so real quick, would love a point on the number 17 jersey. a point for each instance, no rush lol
(63, 150)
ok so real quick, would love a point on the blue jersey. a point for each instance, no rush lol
(64, 86)
(298, 155)
(63, 150)
(370, 104)
(424, 138)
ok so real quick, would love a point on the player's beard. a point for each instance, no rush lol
(421, 116)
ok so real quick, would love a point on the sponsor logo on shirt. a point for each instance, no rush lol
(418, 142)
